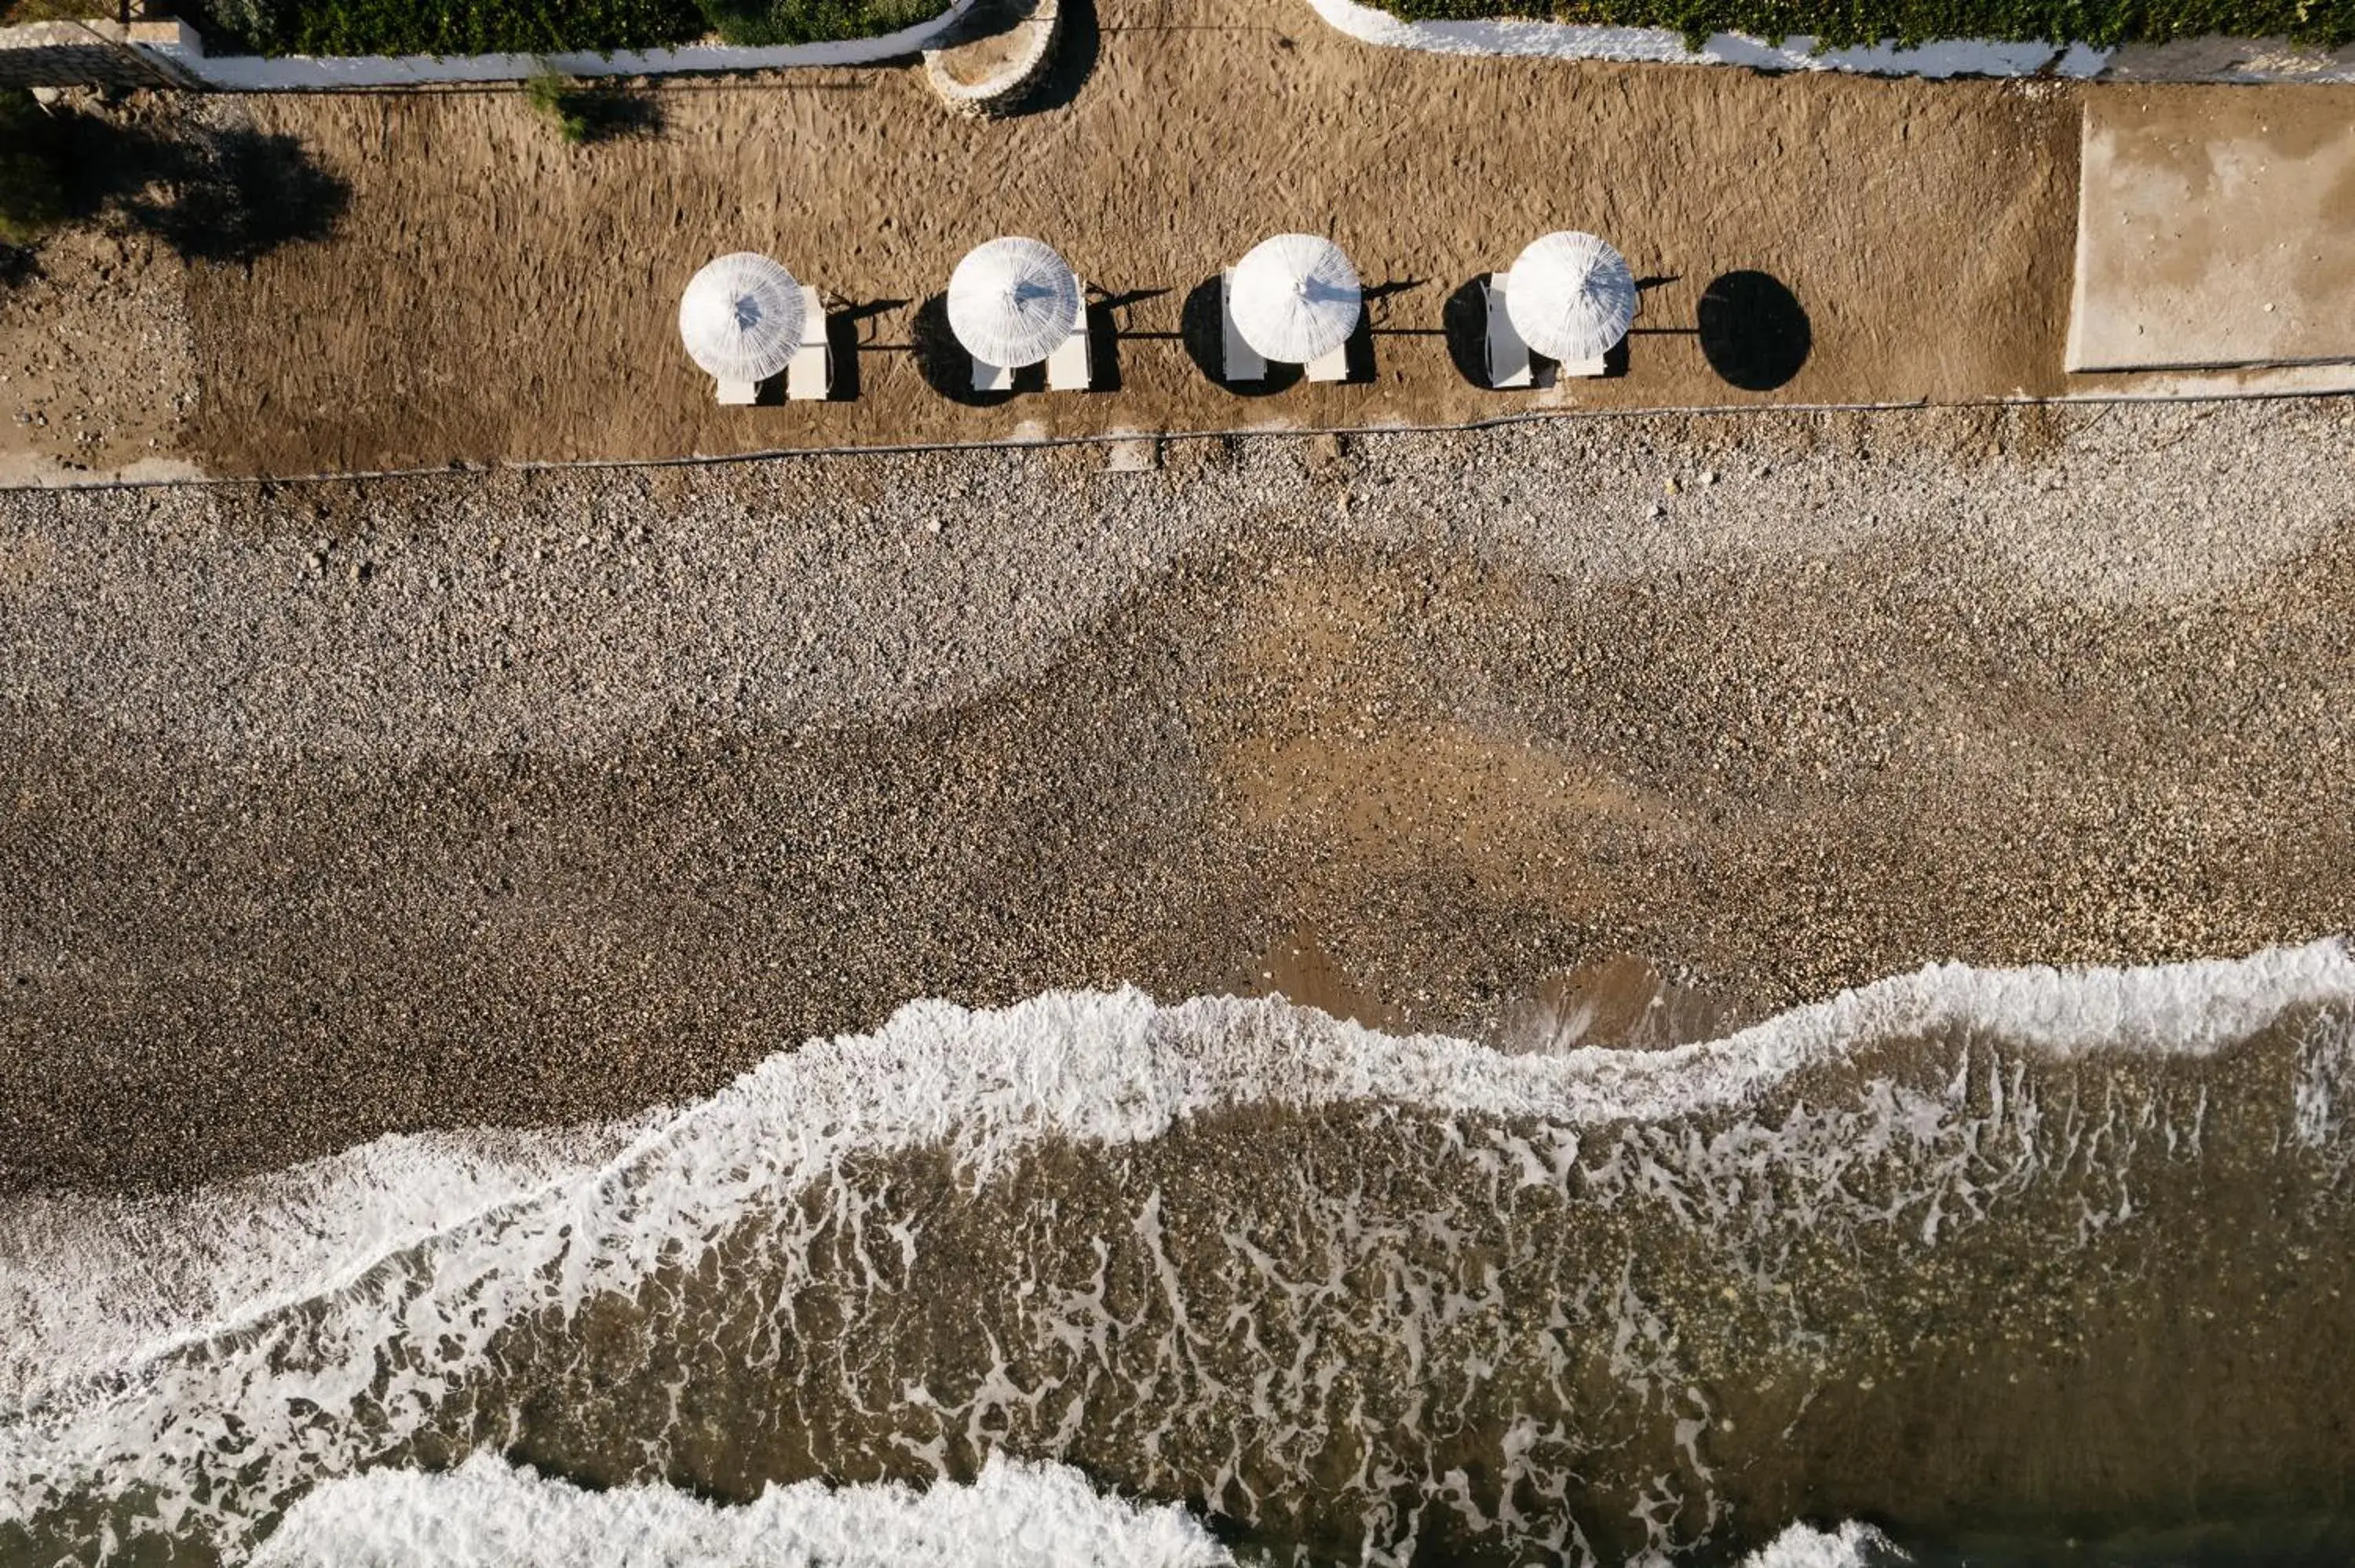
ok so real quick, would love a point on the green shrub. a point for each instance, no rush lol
(32, 169)
(762, 23)
(1843, 23)
(539, 27)
(555, 97)
(448, 26)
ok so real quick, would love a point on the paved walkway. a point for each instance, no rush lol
(2216, 231)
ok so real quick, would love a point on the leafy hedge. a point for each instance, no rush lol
(1842, 24)
(540, 26)
(763, 22)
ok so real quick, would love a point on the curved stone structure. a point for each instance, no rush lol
(1002, 50)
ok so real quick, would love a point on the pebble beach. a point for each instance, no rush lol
(541, 796)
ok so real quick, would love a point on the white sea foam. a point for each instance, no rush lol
(411, 1246)
(90, 1283)
(1852, 1545)
(487, 1515)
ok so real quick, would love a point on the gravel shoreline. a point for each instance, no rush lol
(350, 808)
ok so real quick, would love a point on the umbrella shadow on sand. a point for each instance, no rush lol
(1754, 330)
(1104, 333)
(1464, 322)
(1203, 332)
(947, 367)
(845, 341)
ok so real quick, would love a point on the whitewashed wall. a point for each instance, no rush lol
(1564, 41)
(258, 73)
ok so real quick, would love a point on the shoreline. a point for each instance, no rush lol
(2010, 1203)
(503, 799)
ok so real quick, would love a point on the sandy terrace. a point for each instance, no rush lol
(397, 280)
(487, 292)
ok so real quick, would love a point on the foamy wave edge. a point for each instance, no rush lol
(1094, 1067)
(1116, 1068)
(486, 1514)
(489, 1514)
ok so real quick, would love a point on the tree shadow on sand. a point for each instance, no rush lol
(212, 193)
(611, 114)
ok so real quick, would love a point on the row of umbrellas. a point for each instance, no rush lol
(1294, 298)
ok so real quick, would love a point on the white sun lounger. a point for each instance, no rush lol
(988, 377)
(1333, 367)
(809, 376)
(1240, 361)
(1067, 367)
(736, 394)
(1509, 357)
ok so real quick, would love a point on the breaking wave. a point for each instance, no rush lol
(1345, 1295)
(489, 1514)
(486, 1514)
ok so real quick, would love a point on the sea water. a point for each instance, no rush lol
(1975, 1266)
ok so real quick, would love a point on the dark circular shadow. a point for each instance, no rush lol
(942, 360)
(1463, 322)
(1754, 330)
(1202, 333)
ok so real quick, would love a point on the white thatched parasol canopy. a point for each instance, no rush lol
(1012, 302)
(1296, 298)
(1571, 296)
(740, 317)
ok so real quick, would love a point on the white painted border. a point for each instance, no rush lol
(260, 73)
(1562, 40)
(2184, 60)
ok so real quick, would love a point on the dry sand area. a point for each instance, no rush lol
(341, 808)
(490, 293)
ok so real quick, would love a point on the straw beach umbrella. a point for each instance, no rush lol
(1571, 296)
(740, 317)
(1012, 302)
(1296, 298)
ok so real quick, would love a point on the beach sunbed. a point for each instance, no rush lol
(1067, 367)
(1509, 357)
(737, 393)
(1240, 361)
(1333, 367)
(809, 376)
(988, 377)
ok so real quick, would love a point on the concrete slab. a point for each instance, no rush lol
(2214, 228)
